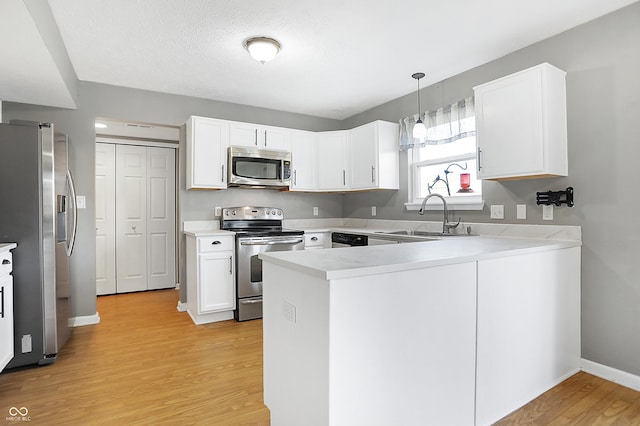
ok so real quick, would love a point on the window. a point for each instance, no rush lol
(444, 163)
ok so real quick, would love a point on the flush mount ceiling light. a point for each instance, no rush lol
(100, 125)
(262, 49)
(419, 130)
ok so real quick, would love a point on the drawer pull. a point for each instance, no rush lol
(216, 242)
(314, 238)
(6, 262)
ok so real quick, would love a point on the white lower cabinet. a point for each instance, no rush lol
(6, 309)
(210, 278)
(528, 328)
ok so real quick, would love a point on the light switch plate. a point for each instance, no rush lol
(81, 202)
(315, 211)
(218, 211)
(373, 210)
(521, 211)
(547, 212)
(497, 211)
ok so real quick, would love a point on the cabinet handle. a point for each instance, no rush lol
(222, 175)
(314, 238)
(2, 304)
(344, 177)
(216, 242)
(265, 138)
(230, 265)
(256, 137)
(6, 262)
(479, 165)
(373, 174)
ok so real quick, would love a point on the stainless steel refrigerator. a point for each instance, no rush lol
(37, 211)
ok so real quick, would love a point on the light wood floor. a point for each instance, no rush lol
(148, 364)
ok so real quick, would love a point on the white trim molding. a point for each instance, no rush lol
(611, 374)
(84, 320)
(182, 307)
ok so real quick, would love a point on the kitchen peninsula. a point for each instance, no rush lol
(458, 331)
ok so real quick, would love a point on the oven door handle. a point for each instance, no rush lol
(250, 302)
(270, 243)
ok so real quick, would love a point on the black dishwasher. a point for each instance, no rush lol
(343, 239)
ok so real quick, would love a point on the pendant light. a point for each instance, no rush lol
(262, 49)
(419, 130)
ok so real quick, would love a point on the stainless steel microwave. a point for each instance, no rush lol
(259, 168)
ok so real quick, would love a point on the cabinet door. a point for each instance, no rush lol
(215, 282)
(363, 146)
(303, 159)
(257, 136)
(6, 320)
(276, 138)
(509, 127)
(521, 125)
(207, 143)
(333, 161)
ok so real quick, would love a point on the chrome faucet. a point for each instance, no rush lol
(446, 226)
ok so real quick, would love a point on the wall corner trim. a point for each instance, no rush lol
(613, 375)
(182, 307)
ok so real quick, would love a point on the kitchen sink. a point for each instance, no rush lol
(423, 234)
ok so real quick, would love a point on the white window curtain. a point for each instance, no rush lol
(444, 125)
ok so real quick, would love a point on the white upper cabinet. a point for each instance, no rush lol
(373, 153)
(207, 143)
(333, 161)
(521, 123)
(258, 136)
(304, 175)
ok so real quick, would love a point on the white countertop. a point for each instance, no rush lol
(7, 246)
(209, 233)
(348, 262)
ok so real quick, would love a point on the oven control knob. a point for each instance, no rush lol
(279, 212)
(233, 212)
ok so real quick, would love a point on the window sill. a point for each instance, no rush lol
(466, 203)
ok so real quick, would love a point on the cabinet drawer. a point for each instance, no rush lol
(6, 264)
(207, 244)
(315, 240)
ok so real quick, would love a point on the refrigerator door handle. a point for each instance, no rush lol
(71, 241)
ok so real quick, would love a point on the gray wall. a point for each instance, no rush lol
(602, 62)
(96, 100)
(603, 79)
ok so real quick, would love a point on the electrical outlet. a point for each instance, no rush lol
(521, 211)
(289, 311)
(547, 212)
(315, 211)
(497, 211)
(218, 211)
(373, 211)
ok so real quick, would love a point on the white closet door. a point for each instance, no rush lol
(105, 218)
(161, 219)
(131, 218)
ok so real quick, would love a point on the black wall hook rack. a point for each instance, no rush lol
(556, 197)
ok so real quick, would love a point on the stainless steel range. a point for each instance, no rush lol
(258, 229)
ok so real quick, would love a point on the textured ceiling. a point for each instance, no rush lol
(338, 58)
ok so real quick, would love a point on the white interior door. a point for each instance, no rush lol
(161, 218)
(131, 218)
(105, 218)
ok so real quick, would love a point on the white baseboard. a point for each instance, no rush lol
(613, 375)
(182, 307)
(85, 320)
